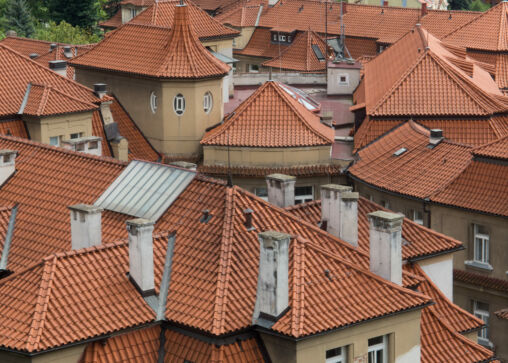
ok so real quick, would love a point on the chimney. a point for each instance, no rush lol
(386, 245)
(141, 255)
(424, 8)
(248, 219)
(67, 51)
(85, 226)
(272, 291)
(7, 164)
(89, 144)
(59, 66)
(339, 211)
(52, 47)
(436, 136)
(184, 165)
(100, 89)
(385, 3)
(33, 55)
(281, 189)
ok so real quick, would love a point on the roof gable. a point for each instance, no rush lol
(497, 149)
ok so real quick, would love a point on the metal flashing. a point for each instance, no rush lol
(8, 238)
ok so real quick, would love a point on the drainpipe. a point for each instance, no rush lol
(427, 211)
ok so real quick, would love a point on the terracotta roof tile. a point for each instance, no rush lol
(300, 56)
(497, 149)
(298, 171)
(174, 53)
(114, 22)
(14, 127)
(502, 314)
(361, 49)
(271, 117)
(143, 345)
(162, 13)
(242, 16)
(419, 171)
(260, 45)
(27, 46)
(480, 280)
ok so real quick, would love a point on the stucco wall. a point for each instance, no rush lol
(245, 34)
(66, 355)
(335, 88)
(440, 271)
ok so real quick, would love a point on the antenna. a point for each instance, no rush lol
(342, 49)
(230, 178)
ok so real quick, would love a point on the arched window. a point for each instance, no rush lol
(179, 104)
(207, 102)
(153, 102)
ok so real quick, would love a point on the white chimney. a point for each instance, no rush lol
(59, 66)
(272, 291)
(7, 164)
(86, 227)
(281, 189)
(436, 136)
(386, 245)
(339, 210)
(88, 144)
(100, 89)
(141, 255)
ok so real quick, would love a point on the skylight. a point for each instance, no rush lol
(399, 152)
(317, 52)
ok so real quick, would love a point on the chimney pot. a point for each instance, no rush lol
(59, 66)
(86, 227)
(436, 136)
(52, 47)
(7, 164)
(33, 55)
(386, 245)
(248, 219)
(141, 255)
(100, 89)
(273, 288)
(281, 189)
(206, 216)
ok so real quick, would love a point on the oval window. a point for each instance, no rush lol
(153, 102)
(179, 104)
(207, 102)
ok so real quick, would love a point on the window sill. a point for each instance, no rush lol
(479, 265)
(486, 343)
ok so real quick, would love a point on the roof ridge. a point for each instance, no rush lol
(44, 99)
(298, 283)
(93, 249)
(221, 291)
(34, 334)
(50, 89)
(500, 139)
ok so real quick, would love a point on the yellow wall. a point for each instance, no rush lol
(241, 41)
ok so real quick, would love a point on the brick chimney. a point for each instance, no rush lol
(281, 189)
(86, 227)
(141, 255)
(386, 245)
(339, 210)
(272, 291)
(7, 164)
(59, 66)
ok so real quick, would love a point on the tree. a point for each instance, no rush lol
(479, 5)
(64, 33)
(111, 7)
(460, 4)
(82, 13)
(18, 18)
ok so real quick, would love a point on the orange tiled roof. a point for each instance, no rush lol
(502, 314)
(300, 56)
(242, 16)
(114, 22)
(480, 280)
(497, 149)
(260, 45)
(270, 117)
(27, 46)
(299, 171)
(15, 127)
(162, 13)
(143, 345)
(419, 171)
(174, 53)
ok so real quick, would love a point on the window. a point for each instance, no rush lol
(289, 39)
(207, 102)
(80, 147)
(76, 135)
(92, 145)
(253, 68)
(343, 79)
(262, 193)
(481, 244)
(274, 37)
(336, 355)
(234, 67)
(481, 310)
(153, 102)
(54, 140)
(417, 216)
(282, 38)
(317, 52)
(378, 351)
(385, 204)
(133, 13)
(304, 194)
(179, 104)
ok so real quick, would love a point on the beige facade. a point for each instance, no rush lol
(66, 355)
(242, 40)
(402, 343)
(61, 126)
(171, 134)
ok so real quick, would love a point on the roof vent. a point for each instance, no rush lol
(52, 47)
(68, 51)
(248, 219)
(100, 89)
(206, 216)
(300, 9)
(399, 152)
(33, 55)
(436, 136)
(59, 66)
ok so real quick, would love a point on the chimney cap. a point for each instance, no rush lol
(281, 177)
(139, 222)
(85, 208)
(436, 133)
(99, 87)
(33, 55)
(385, 220)
(8, 152)
(350, 196)
(337, 188)
(268, 237)
(57, 64)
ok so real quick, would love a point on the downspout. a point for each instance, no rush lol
(427, 211)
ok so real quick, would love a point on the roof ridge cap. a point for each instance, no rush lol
(479, 147)
(298, 280)
(438, 191)
(42, 300)
(89, 250)
(44, 100)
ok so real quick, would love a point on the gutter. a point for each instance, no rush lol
(423, 257)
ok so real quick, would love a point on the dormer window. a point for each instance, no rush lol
(179, 104)
(285, 38)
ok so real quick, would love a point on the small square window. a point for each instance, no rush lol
(336, 355)
(417, 216)
(54, 140)
(304, 194)
(92, 145)
(76, 135)
(262, 193)
(253, 68)
(343, 79)
(385, 204)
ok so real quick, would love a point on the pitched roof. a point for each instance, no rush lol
(300, 55)
(298, 171)
(14, 127)
(496, 149)
(242, 16)
(114, 22)
(260, 45)
(143, 345)
(162, 13)
(488, 31)
(479, 279)
(271, 117)
(419, 171)
(17, 71)
(174, 53)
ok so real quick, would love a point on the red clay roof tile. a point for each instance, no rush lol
(14, 127)
(174, 53)
(502, 314)
(299, 171)
(260, 45)
(114, 22)
(496, 149)
(271, 117)
(480, 280)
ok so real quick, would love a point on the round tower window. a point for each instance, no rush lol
(207, 102)
(153, 102)
(179, 104)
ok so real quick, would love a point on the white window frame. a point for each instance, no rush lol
(343, 83)
(57, 140)
(261, 192)
(76, 135)
(341, 358)
(304, 197)
(483, 240)
(483, 334)
(385, 204)
(415, 217)
(251, 70)
(153, 102)
(179, 104)
(134, 12)
(282, 38)
(373, 349)
(207, 102)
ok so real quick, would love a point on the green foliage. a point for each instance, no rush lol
(65, 33)
(109, 7)
(460, 4)
(479, 5)
(17, 17)
(82, 13)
